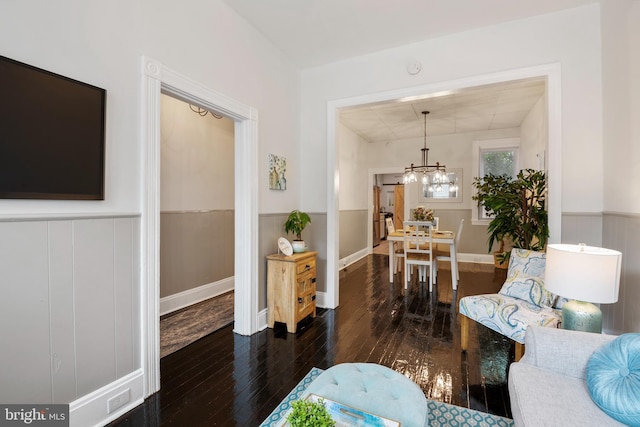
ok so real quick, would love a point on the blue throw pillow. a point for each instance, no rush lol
(613, 379)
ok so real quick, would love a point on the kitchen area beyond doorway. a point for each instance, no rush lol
(388, 202)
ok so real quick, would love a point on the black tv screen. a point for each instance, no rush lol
(52, 135)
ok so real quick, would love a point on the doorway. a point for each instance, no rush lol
(388, 205)
(159, 79)
(196, 223)
(552, 76)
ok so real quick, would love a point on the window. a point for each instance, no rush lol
(497, 157)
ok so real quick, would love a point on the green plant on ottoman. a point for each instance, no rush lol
(309, 414)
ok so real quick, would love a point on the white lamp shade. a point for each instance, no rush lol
(584, 273)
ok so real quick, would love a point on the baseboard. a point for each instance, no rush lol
(109, 402)
(192, 296)
(347, 261)
(321, 299)
(477, 258)
(262, 319)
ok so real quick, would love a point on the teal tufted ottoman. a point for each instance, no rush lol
(373, 388)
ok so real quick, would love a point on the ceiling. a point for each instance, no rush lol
(315, 32)
(481, 108)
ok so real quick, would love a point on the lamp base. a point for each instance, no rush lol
(581, 316)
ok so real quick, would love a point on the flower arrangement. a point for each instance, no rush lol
(423, 214)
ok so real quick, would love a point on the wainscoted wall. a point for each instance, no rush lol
(69, 311)
(474, 237)
(622, 232)
(582, 228)
(355, 227)
(197, 249)
(611, 230)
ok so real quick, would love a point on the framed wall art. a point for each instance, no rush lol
(277, 172)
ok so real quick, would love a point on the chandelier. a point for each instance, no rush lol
(433, 176)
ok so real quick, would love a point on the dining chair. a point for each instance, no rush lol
(418, 250)
(398, 252)
(441, 254)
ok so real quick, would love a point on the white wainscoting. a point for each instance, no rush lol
(109, 402)
(70, 309)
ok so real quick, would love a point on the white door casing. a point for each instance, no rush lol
(159, 79)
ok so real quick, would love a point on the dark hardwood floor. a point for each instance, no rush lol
(231, 380)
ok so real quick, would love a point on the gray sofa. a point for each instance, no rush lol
(547, 386)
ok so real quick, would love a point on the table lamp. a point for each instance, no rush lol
(585, 275)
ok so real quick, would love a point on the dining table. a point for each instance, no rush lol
(437, 237)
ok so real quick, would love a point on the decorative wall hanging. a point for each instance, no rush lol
(277, 171)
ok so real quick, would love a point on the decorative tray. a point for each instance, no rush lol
(346, 416)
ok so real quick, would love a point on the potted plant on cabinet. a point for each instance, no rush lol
(518, 211)
(297, 222)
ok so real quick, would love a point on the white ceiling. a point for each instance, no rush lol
(497, 106)
(314, 32)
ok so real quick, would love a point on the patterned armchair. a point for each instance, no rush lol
(522, 301)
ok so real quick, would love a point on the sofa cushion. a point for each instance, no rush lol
(528, 288)
(613, 378)
(507, 315)
(540, 397)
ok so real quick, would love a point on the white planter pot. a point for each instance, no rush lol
(298, 246)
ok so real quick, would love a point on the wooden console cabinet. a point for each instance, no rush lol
(291, 288)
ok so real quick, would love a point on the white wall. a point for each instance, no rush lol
(206, 41)
(196, 159)
(353, 154)
(570, 38)
(101, 43)
(621, 101)
(533, 137)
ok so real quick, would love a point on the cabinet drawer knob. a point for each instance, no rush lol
(299, 300)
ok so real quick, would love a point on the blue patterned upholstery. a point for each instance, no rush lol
(527, 262)
(508, 315)
(528, 288)
(521, 302)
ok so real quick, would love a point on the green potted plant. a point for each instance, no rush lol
(296, 222)
(518, 211)
(309, 414)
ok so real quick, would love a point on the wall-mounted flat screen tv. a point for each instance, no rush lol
(52, 135)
